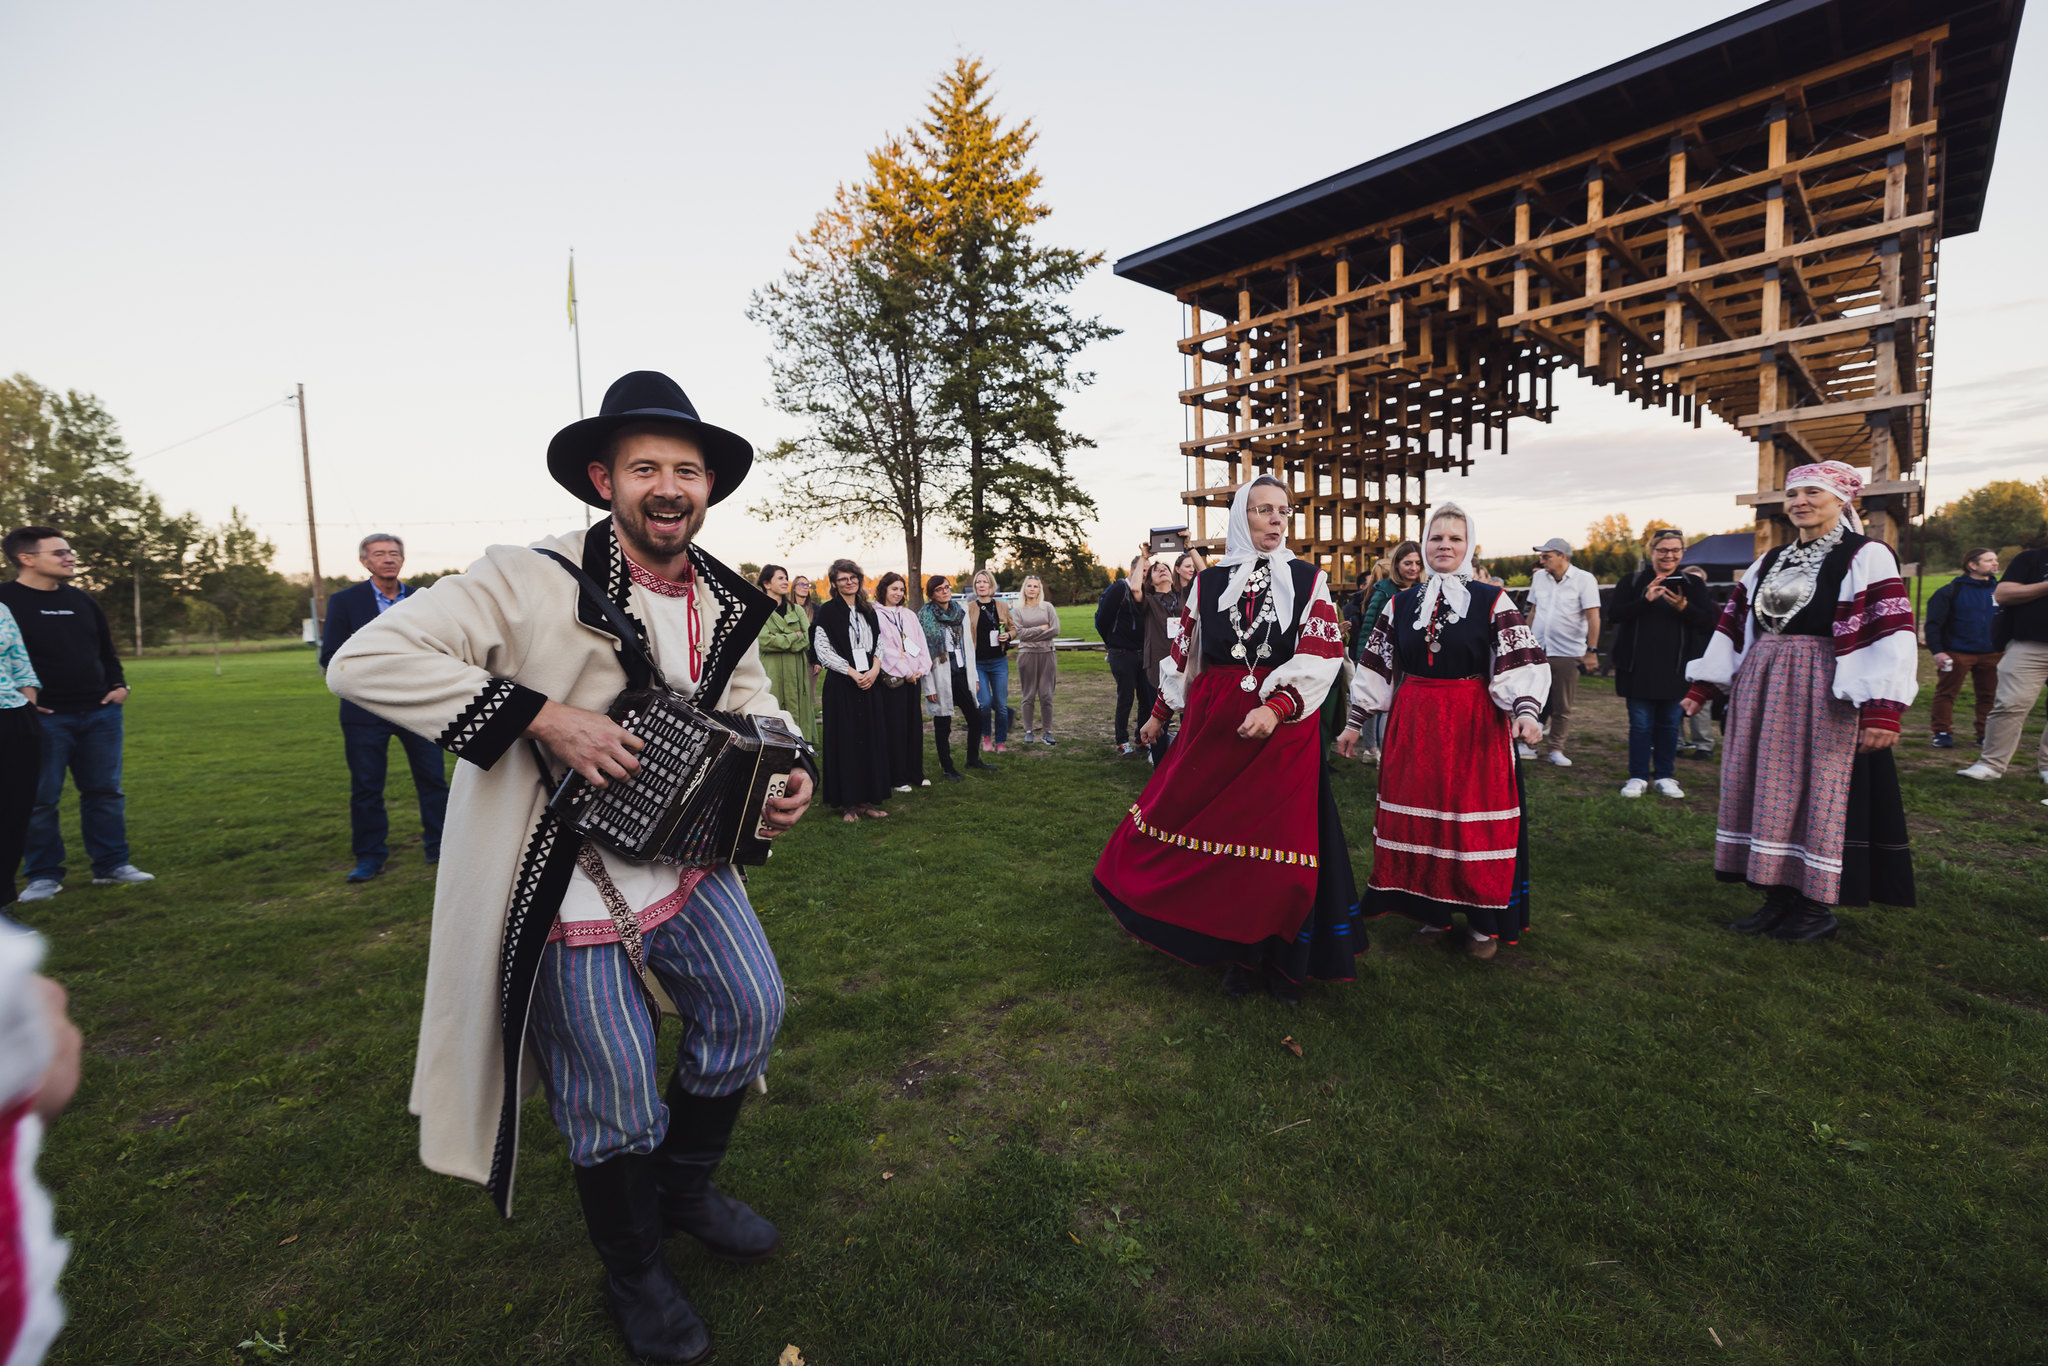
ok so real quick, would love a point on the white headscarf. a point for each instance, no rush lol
(1453, 587)
(1241, 556)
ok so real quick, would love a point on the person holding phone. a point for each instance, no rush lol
(1659, 612)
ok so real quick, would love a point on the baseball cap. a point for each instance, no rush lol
(1557, 543)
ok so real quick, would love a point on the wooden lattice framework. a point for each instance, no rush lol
(1768, 259)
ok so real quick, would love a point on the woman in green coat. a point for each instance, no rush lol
(786, 652)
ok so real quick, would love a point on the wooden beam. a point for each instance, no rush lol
(1821, 411)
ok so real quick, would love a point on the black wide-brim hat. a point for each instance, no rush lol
(651, 397)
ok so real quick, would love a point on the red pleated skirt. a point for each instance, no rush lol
(1449, 832)
(1224, 840)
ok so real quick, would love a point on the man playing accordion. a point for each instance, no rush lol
(534, 973)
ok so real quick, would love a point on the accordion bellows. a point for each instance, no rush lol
(703, 779)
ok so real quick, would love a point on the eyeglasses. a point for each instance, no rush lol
(67, 553)
(1270, 509)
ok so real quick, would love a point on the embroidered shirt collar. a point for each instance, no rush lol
(655, 583)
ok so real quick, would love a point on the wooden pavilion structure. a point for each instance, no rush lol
(1744, 223)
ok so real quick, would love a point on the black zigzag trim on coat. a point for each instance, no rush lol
(605, 563)
(743, 610)
(495, 718)
(536, 898)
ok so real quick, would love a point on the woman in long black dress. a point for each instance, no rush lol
(846, 637)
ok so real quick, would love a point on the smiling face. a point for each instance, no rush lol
(1265, 514)
(892, 596)
(1665, 554)
(1813, 511)
(1185, 569)
(1444, 548)
(846, 584)
(659, 488)
(778, 583)
(800, 588)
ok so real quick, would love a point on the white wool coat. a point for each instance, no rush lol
(467, 663)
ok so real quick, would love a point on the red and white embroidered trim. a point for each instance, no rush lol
(1250, 851)
(654, 583)
(583, 933)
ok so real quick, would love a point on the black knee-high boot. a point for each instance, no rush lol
(942, 737)
(1779, 902)
(699, 1129)
(620, 1209)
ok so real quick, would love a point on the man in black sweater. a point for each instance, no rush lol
(72, 649)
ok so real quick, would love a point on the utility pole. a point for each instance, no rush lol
(312, 527)
(576, 330)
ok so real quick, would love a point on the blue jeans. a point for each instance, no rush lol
(1652, 734)
(995, 688)
(88, 744)
(367, 747)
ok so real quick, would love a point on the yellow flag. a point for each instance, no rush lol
(572, 291)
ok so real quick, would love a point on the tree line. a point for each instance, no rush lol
(924, 337)
(63, 464)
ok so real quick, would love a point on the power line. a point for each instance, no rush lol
(211, 430)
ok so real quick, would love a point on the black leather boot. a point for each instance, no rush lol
(653, 1315)
(699, 1128)
(1239, 980)
(1778, 903)
(1807, 922)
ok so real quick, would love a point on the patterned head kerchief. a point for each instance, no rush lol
(1844, 481)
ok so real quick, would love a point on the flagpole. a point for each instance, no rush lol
(576, 331)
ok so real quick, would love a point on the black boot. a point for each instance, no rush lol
(1239, 980)
(1807, 922)
(619, 1207)
(699, 1128)
(942, 738)
(1778, 903)
(1283, 989)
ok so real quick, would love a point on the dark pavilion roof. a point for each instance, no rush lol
(1759, 47)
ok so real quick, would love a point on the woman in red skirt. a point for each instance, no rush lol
(1449, 834)
(1234, 853)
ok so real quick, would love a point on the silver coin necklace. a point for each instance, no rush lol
(1262, 616)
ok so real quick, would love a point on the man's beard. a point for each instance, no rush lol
(638, 525)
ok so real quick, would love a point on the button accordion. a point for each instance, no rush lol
(698, 796)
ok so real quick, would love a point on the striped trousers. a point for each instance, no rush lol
(594, 1028)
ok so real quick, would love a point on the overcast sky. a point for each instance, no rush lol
(208, 203)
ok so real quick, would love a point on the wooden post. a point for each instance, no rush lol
(138, 609)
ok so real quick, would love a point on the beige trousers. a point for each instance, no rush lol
(1564, 690)
(2021, 675)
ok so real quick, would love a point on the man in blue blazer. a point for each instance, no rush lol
(366, 739)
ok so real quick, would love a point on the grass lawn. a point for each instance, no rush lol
(999, 1131)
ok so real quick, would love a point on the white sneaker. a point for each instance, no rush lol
(1982, 773)
(1560, 758)
(1668, 787)
(1634, 787)
(1523, 751)
(42, 889)
(2044, 775)
(903, 787)
(123, 875)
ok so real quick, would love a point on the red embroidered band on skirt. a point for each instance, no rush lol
(1450, 811)
(1224, 839)
(1785, 769)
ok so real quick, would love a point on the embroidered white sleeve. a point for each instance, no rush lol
(1524, 681)
(1887, 669)
(1310, 675)
(1173, 680)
